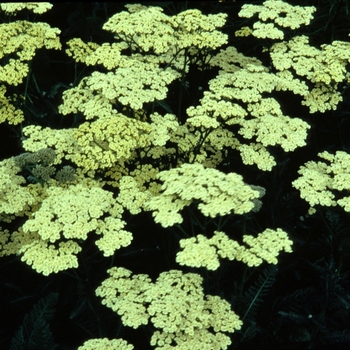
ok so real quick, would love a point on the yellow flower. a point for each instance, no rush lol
(8, 111)
(104, 344)
(324, 68)
(320, 181)
(44, 257)
(47, 238)
(14, 198)
(23, 38)
(200, 251)
(14, 72)
(217, 193)
(176, 305)
(36, 7)
(107, 140)
(278, 13)
(230, 60)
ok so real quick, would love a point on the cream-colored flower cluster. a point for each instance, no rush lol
(14, 7)
(222, 106)
(19, 42)
(108, 55)
(48, 239)
(230, 60)
(273, 14)
(325, 68)
(14, 198)
(24, 38)
(62, 141)
(148, 28)
(106, 344)
(107, 140)
(142, 27)
(131, 196)
(255, 153)
(133, 84)
(272, 128)
(163, 126)
(176, 306)
(215, 192)
(201, 251)
(193, 29)
(8, 111)
(44, 257)
(69, 213)
(155, 40)
(321, 183)
(93, 145)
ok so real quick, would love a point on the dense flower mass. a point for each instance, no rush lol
(23, 39)
(176, 305)
(200, 251)
(141, 158)
(66, 216)
(36, 7)
(104, 343)
(216, 193)
(321, 183)
(279, 13)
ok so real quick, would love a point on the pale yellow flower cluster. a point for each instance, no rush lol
(8, 111)
(277, 12)
(163, 126)
(106, 344)
(131, 196)
(13, 72)
(193, 29)
(269, 127)
(230, 60)
(82, 99)
(257, 154)
(14, 7)
(148, 29)
(200, 251)
(14, 198)
(108, 55)
(107, 140)
(69, 213)
(80, 50)
(321, 181)
(155, 40)
(217, 193)
(4, 236)
(175, 304)
(44, 257)
(48, 258)
(268, 244)
(62, 141)
(145, 28)
(47, 239)
(125, 295)
(23, 38)
(325, 68)
(275, 129)
(133, 84)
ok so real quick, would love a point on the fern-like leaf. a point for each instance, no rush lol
(35, 333)
(256, 293)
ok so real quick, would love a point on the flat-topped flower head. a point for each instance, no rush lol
(216, 192)
(275, 14)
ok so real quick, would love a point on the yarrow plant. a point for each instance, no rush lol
(147, 158)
